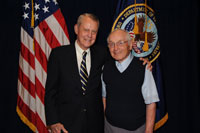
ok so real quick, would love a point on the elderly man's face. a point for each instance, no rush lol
(118, 45)
(86, 32)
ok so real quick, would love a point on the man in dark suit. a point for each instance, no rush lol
(70, 107)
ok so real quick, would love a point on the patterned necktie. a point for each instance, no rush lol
(83, 72)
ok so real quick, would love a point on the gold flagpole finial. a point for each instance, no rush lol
(146, 46)
(136, 27)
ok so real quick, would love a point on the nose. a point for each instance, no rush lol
(90, 34)
(115, 46)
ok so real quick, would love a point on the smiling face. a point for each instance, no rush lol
(86, 32)
(119, 46)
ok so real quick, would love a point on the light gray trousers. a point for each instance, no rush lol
(112, 129)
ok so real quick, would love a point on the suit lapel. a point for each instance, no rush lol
(74, 67)
(93, 66)
(75, 72)
(92, 63)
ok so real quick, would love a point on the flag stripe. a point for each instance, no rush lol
(26, 110)
(25, 119)
(40, 55)
(27, 69)
(40, 73)
(28, 85)
(47, 32)
(40, 125)
(27, 41)
(40, 109)
(39, 37)
(40, 90)
(26, 97)
(57, 30)
(27, 55)
(58, 15)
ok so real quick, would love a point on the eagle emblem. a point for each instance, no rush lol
(141, 26)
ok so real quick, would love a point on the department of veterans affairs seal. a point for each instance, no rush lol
(134, 17)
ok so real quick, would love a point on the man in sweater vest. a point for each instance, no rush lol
(129, 90)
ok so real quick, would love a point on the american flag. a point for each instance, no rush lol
(43, 28)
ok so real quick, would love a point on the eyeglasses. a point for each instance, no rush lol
(119, 43)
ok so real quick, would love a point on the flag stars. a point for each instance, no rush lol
(37, 6)
(36, 16)
(45, 9)
(55, 2)
(25, 15)
(46, 1)
(26, 5)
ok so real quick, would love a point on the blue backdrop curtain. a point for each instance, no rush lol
(178, 24)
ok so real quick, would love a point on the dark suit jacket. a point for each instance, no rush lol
(65, 101)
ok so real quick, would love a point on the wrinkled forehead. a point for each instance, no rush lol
(87, 19)
(118, 35)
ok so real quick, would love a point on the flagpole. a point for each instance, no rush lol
(146, 46)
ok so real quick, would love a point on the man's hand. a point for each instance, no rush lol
(146, 61)
(56, 128)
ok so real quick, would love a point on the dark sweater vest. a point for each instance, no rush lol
(125, 106)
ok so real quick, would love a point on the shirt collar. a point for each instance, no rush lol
(126, 62)
(80, 50)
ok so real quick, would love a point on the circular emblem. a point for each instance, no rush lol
(142, 27)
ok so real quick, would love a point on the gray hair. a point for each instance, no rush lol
(128, 36)
(91, 16)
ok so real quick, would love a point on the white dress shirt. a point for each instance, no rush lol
(79, 55)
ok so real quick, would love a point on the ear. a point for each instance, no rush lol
(76, 29)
